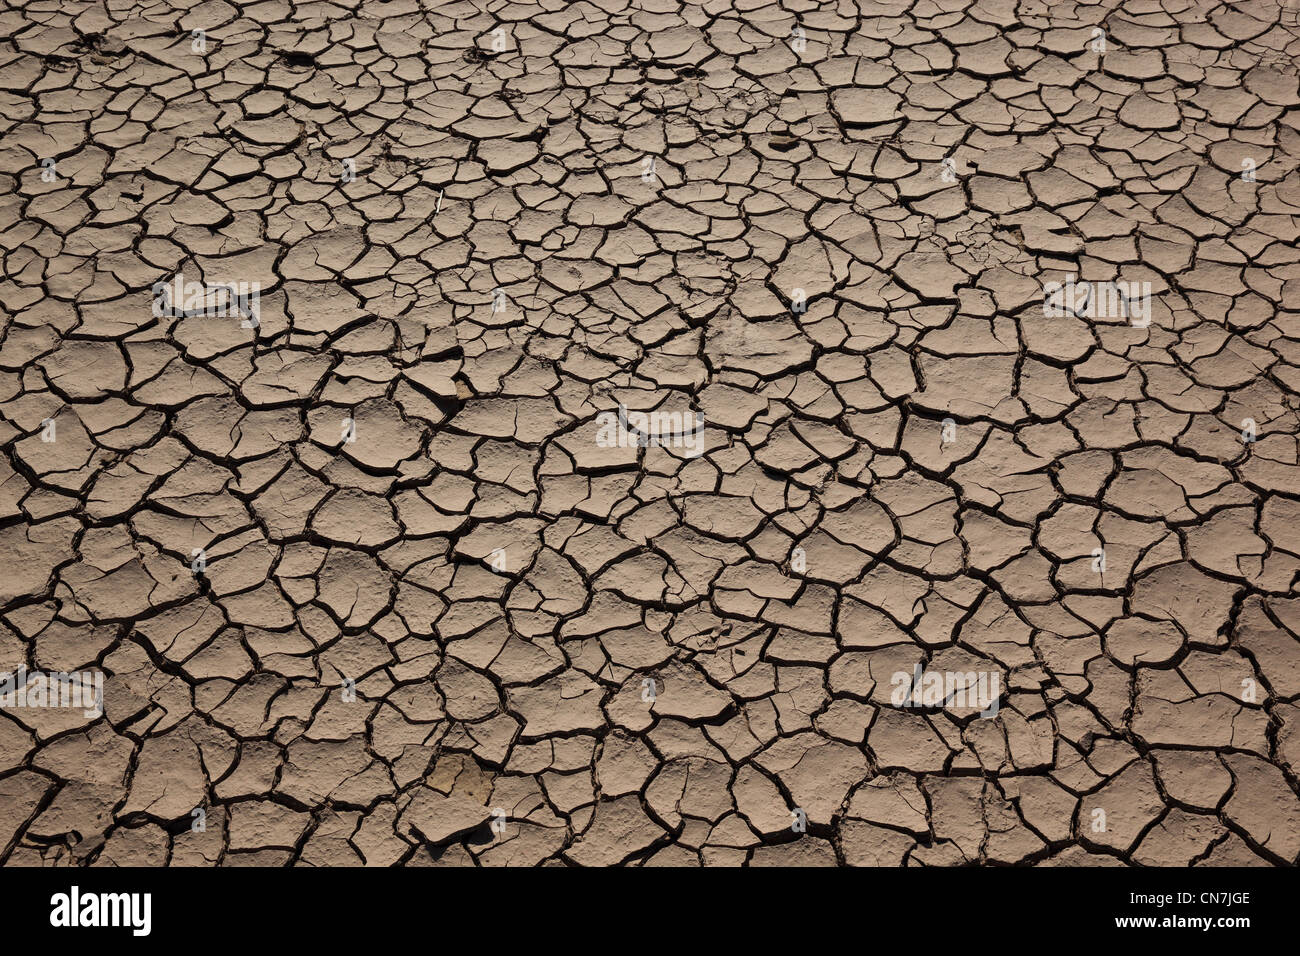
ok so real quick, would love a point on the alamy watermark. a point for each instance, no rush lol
(217, 299)
(959, 690)
(1099, 300)
(75, 909)
(625, 429)
(35, 689)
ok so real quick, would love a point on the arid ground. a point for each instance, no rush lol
(673, 433)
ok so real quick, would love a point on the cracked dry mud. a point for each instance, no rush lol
(437, 621)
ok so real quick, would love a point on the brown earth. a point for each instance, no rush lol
(367, 586)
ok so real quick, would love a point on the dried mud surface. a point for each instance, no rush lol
(436, 621)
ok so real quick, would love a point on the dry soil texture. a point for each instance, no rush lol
(329, 330)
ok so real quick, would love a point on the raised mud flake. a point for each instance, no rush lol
(618, 829)
(437, 817)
